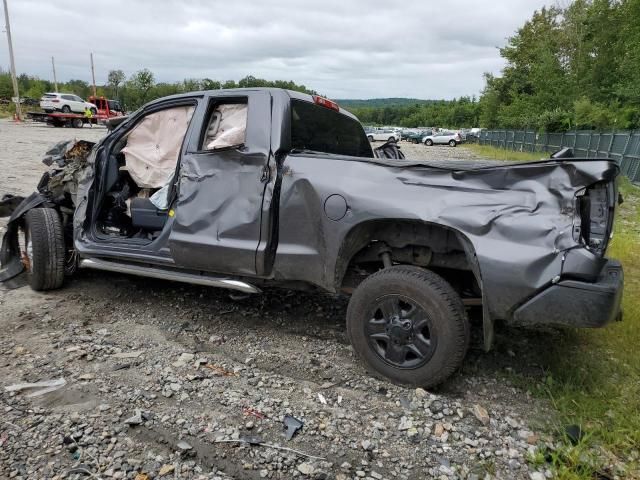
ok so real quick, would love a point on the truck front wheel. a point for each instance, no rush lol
(408, 325)
(43, 253)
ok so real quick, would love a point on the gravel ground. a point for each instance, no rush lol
(166, 380)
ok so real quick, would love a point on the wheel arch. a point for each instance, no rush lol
(367, 238)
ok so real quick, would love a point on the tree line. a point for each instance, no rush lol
(572, 67)
(576, 67)
(459, 113)
(134, 91)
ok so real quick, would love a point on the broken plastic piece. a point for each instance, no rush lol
(574, 433)
(43, 387)
(292, 425)
(183, 446)
(136, 419)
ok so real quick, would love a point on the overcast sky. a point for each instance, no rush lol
(341, 48)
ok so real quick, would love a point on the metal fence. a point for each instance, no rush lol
(624, 146)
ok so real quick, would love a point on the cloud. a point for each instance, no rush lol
(344, 49)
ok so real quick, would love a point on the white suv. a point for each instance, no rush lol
(384, 135)
(65, 102)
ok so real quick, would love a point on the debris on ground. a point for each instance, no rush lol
(40, 388)
(136, 419)
(248, 411)
(291, 425)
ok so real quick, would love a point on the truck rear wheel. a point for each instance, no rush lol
(44, 249)
(408, 325)
(77, 123)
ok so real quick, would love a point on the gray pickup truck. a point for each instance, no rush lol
(253, 188)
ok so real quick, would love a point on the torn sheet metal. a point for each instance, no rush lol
(60, 184)
(57, 187)
(153, 146)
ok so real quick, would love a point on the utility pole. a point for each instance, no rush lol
(16, 93)
(93, 75)
(55, 80)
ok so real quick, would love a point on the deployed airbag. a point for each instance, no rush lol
(227, 126)
(153, 146)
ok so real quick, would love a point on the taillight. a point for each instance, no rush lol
(597, 206)
(325, 102)
(55, 100)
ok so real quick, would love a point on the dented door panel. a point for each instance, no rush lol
(218, 212)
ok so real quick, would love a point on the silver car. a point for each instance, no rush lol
(442, 138)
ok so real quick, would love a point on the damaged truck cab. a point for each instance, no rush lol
(251, 188)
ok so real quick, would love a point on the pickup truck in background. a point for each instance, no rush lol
(255, 188)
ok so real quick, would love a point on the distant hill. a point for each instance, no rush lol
(381, 102)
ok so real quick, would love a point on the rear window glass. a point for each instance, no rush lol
(49, 95)
(321, 129)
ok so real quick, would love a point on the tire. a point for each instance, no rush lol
(44, 245)
(438, 313)
(66, 109)
(452, 143)
(370, 138)
(391, 139)
(77, 123)
(428, 142)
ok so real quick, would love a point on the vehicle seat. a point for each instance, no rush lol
(145, 215)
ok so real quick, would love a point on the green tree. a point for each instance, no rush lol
(114, 79)
(138, 87)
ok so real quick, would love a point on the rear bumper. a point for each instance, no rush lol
(576, 303)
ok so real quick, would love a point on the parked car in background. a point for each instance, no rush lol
(443, 138)
(404, 133)
(417, 137)
(383, 135)
(66, 103)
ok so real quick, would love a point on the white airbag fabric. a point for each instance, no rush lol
(153, 146)
(227, 126)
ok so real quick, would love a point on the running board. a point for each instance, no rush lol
(174, 276)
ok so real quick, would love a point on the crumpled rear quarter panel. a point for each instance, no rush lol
(518, 217)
